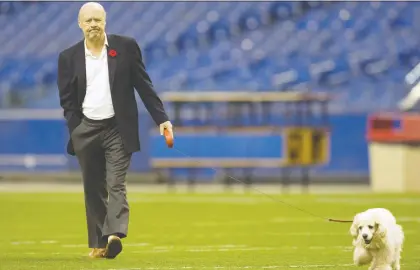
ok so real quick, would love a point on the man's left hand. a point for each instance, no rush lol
(166, 125)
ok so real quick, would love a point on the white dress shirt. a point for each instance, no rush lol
(97, 104)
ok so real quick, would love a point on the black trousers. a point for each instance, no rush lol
(104, 164)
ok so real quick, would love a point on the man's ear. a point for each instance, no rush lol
(354, 228)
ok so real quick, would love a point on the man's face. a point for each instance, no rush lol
(92, 22)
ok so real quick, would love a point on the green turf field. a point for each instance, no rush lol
(198, 231)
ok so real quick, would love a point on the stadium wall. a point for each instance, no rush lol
(36, 143)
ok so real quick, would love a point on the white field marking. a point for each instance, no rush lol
(34, 242)
(307, 233)
(240, 267)
(216, 248)
(323, 234)
(219, 246)
(224, 223)
(137, 244)
(214, 224)
(277, 220)
(408, 219)
(320, 265)
(85, 245)
(350, 200)
(49, 242)
(290, 220)
(150, 251)
(253, 222)
(74, 246)
(224, 200)
(240, 247)
(210, 267)
(84, 254)
(308, 220)
(191, 248)
(216, 235)
(229, 249)
(23, 243)
(163, 247)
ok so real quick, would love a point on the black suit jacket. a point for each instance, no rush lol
(126, 73)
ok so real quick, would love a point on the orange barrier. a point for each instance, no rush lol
(394, 127)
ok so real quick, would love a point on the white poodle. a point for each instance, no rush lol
(377, 239)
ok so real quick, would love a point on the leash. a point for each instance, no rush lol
(170, 143)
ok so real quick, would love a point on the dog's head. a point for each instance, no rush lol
(366, 227)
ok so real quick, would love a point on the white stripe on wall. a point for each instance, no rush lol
(32, 161)
(31, 114)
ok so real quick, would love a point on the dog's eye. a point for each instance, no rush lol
(360, 228)
(370, 227)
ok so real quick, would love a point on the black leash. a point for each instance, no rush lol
(169, 142)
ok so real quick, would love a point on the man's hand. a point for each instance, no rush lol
(166, 125)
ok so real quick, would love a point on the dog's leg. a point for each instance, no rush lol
(382, 258)
(375, 266)
(381, 261)
(396, 263)
(361, 256)
(384, 267)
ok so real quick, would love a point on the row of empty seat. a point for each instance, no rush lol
(360, 51)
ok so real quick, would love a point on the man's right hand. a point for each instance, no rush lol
(166, 125)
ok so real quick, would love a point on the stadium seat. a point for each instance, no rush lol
(233, 46)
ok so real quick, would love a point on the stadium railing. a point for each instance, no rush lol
(300, 140)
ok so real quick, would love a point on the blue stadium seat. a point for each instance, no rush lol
(255, 46)
(280, 11)
(219, 31)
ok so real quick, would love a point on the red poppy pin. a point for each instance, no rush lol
(112, 53)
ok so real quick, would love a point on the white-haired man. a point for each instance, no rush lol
(96, 81)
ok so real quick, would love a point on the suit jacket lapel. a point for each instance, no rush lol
(112, 61)
(80, 62)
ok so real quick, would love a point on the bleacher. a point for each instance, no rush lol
(360, 51)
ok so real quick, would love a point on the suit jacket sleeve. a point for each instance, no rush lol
(67, 93)
(143, 84)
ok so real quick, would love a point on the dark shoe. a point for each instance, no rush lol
(113, 248)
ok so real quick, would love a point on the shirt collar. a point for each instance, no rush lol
(87, 52)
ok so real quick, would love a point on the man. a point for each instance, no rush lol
(96, 81)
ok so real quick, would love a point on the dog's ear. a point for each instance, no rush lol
(380, 229)
(354, 228)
